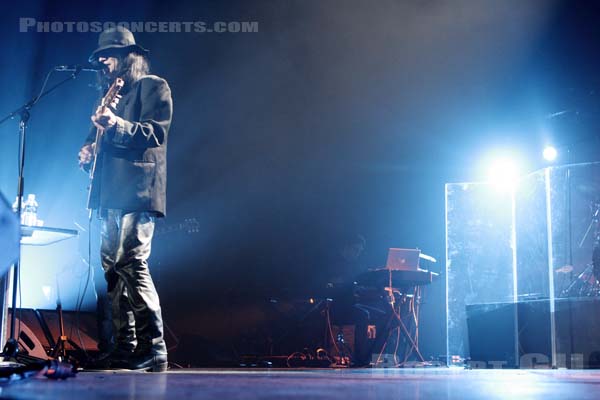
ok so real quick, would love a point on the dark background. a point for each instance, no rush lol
(335, 118)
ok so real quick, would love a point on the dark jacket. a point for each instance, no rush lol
(131, 172)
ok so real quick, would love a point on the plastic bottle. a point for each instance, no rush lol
(30, 211)
(16, 204)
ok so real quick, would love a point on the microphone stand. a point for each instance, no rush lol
(11, 348)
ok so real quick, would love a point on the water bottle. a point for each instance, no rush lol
(30, 211)
(15, 205)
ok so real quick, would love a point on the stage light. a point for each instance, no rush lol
(503, 172)
(550, 153)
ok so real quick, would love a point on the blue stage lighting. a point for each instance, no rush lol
(550, 153)
(503, 172)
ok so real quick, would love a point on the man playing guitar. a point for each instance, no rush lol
(127, 148)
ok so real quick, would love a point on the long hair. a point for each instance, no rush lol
(131, 67)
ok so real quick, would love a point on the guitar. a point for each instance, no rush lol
(107, 101)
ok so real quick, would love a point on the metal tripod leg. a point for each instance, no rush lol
(413, 340)
(60, 349)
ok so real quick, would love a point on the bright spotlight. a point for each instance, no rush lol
(503, 172)
(550, 153)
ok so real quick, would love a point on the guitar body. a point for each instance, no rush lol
(107, 100)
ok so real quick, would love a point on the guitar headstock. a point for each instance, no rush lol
(110, 97)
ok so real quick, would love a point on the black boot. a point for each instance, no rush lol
(149, 357)
(149, 362)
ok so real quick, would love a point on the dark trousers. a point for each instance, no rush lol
(134, 303)
(345, 312)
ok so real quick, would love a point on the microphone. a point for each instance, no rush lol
(78, 68)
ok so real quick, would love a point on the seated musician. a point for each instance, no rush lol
(351, 305)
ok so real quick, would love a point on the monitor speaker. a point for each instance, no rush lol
(80, 327)
(32, 339)
(41, 327)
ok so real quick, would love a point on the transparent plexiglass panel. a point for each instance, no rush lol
(532, 237)
(575, 192)
(557, 204)
(574, 196)
(549, 218)
(479, 227)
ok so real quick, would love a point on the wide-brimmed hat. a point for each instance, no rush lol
(118, 38)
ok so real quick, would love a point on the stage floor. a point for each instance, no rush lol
(359, 384)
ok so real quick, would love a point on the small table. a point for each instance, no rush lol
(45, 235)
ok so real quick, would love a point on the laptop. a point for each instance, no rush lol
(403, 259)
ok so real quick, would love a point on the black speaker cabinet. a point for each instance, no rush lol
(513, 335)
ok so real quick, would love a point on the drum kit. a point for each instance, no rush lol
(586, 283)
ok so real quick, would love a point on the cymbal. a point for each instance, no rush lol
(565, 269)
